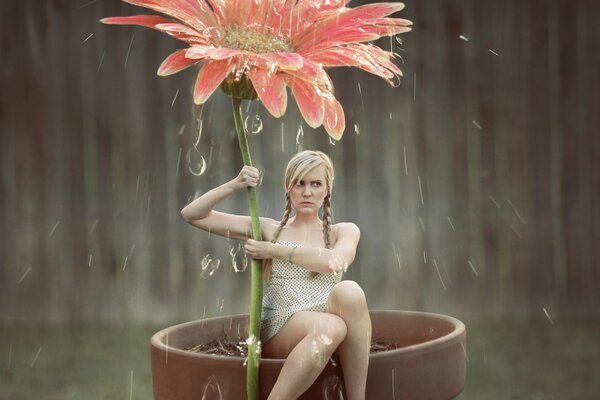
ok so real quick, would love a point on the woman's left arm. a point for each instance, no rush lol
(314, 259)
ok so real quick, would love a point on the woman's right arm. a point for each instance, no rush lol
(200, 213)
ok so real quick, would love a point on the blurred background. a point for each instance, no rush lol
(475, 183)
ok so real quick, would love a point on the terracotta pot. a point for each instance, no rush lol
(431, 364)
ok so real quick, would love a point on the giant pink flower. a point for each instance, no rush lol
(276, 43)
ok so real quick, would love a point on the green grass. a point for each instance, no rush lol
(506, 360)
(75, 364)
(533, 360)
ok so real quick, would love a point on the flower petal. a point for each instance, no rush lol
(149, 21)
(309, 99)
(195, 13)
(271, 90)
(334, 119)
(222, 53)
(209, 78)
(313, 73)
(175, 62)
(356, 18)
(366, 57)
(282, 60)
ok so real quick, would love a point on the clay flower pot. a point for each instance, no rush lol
(430, 365)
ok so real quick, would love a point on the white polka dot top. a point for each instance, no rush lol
(291, 289)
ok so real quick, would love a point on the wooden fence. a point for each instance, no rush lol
(475, 182)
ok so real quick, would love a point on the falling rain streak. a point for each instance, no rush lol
(516, 211)
(93, 227)
(397, 256)
(25, 274)
(362, 104)
(493, 200)
(174, 98)
(547, 315)
(54, 228)
(451, 224)
(87, 38)
(472, 267)
(420, 192)
(36, 357)
(178, 161)
(439, 274)
(414, 86)
(87, 4)
(101, 60)
(128, 51)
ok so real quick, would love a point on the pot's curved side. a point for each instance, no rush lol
(430, 366)
(432, 363)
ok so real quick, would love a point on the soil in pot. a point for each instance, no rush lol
(226, 346)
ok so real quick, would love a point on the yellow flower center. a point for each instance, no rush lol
(243, 38)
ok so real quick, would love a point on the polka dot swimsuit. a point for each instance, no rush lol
(291, 289)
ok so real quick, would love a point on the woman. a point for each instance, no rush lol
(308, 312)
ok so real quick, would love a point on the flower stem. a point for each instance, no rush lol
(252, 388)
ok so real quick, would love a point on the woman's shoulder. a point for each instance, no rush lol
(268, 227)
(345, 228)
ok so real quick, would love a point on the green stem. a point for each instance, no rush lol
(256, 268)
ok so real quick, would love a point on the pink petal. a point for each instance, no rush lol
(312, 72)
(149, 21)
(363, 16)
(175, 62)
(271, 90)
(198, 52)
(369, 58)
(309, 100)
(343, 36)
(222, 53)
(194, 13)
(176, 29)
(334, 120)
(218, 7)
(236, 11)
(293, 17)
(284, 61)
(209, 78)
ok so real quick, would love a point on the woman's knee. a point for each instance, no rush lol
(347, 297)
(331, 331)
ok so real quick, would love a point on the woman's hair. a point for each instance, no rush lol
(296, 168)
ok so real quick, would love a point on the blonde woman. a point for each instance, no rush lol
(308, 312)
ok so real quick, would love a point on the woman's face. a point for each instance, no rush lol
(308, 194)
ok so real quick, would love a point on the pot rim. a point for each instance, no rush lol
(446, 340)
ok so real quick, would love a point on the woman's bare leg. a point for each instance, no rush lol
(307, 340)
(348, 301)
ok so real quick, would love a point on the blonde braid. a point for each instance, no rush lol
(268, 263)
(327, 220)
(326, 226)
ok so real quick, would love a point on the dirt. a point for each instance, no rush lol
(227, 347)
